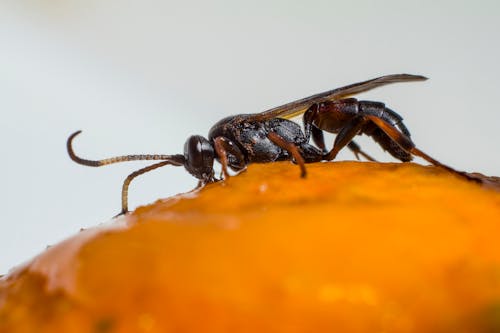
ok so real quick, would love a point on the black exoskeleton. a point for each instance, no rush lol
(242, 142)
(269, 136)
(349, 117)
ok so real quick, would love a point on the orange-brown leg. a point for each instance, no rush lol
(405, 142)
(223, 146)
(292, 149)
(221, 152)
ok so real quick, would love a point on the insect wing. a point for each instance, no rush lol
(298, 107)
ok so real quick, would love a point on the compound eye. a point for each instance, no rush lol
(193, 151)
(199, 155)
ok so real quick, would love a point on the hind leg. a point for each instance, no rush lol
(356, 149)
(405, 142)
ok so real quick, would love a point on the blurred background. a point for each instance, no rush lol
(141, 76)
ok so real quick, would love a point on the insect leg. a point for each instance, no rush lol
(319, 141)
(405, 142)
(318, 138)
(308, 119)
(223, 146)
(356, 149)
(221, 153)
(133, 175)
(345, 136)
(291, 148)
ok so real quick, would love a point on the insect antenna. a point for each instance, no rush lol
(177, 160)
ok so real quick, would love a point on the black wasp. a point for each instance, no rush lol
(269, 136)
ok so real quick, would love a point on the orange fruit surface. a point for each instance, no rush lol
(354, 247)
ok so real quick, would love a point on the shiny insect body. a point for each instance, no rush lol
(234, 142)
(269, 136)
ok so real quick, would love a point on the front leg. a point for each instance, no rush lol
(229, 155)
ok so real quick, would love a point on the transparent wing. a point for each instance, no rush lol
(298, 107)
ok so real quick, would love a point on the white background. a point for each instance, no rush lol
(141, 76)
